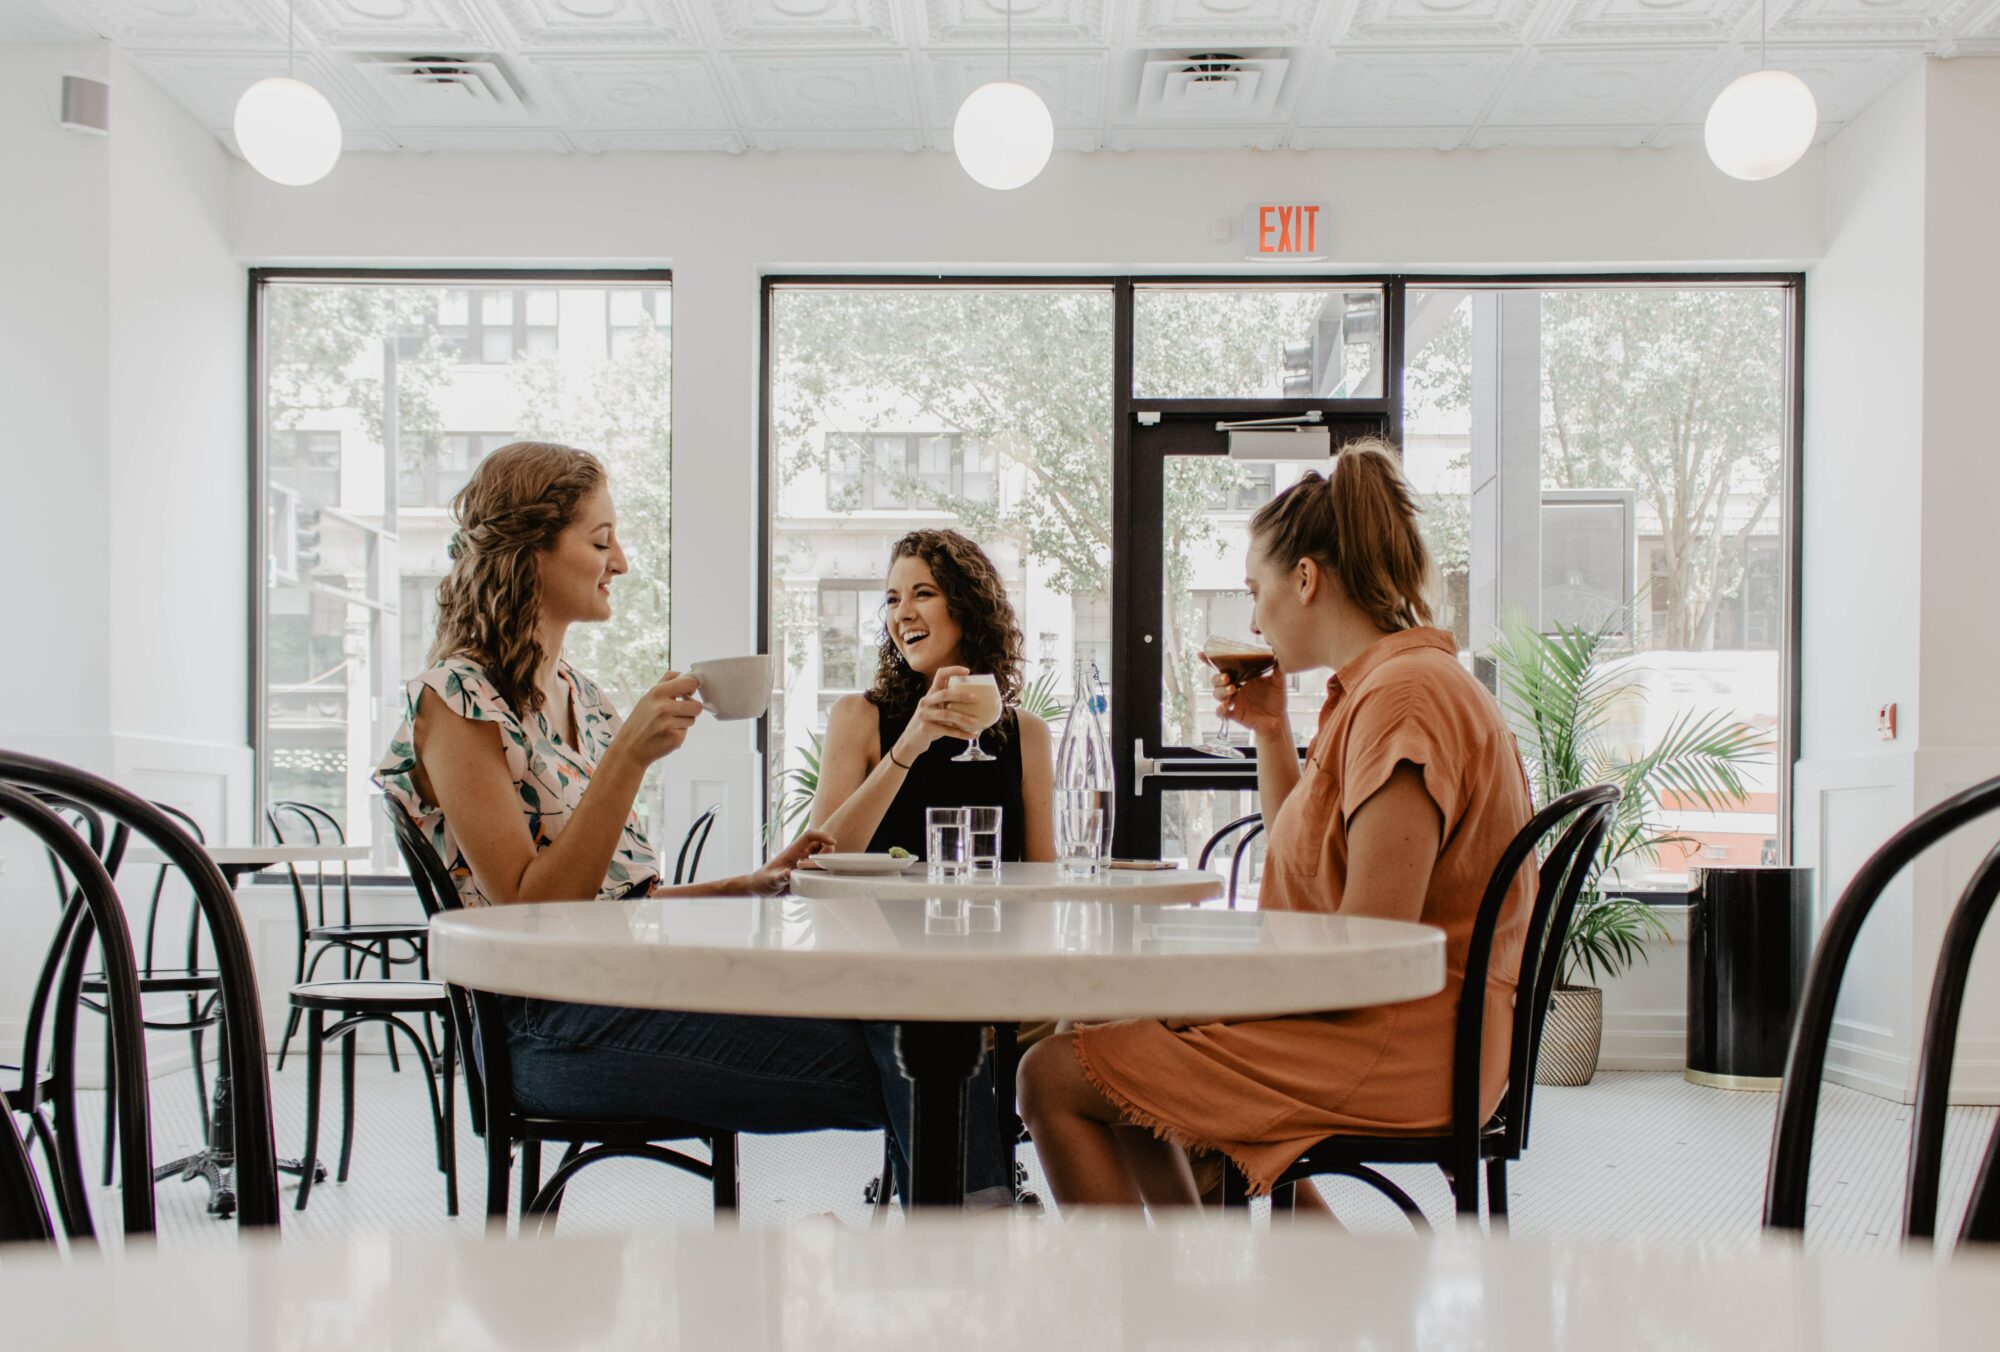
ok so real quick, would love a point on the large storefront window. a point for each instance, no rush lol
(380, 397)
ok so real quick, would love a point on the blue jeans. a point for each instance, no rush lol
(735, 1072)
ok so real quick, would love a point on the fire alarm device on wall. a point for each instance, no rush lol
(1885, 722)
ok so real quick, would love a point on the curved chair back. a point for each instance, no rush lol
(146, 952)
(1563, 870)
(250, 1098)
(91, 910)
(1251, 826)
(696, 840)
(469, 1009)
(1798, 1100)
(323, 826)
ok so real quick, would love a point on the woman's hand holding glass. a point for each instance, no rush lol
(1257, 705)
(941, 713)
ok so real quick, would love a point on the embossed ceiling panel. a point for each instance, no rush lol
(1461, 21)
(734, 75)
(822, 91)
(1072, 86)
(449, 25)
(1565, 88)
(983, 23)
(1620, 20)
(567, 25)
(806, 23)
(1377, 88)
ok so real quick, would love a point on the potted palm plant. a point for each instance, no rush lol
(1561, 690)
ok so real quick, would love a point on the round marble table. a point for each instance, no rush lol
(1014, 882)
(940, 969)
(1092, 1284)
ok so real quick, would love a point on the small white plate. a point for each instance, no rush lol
(862, 865)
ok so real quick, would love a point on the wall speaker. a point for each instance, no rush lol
(86, 105)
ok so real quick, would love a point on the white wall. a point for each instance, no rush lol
(122, 526)
(724, 222)
(1899, 486)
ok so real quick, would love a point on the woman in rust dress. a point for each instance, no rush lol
(1410, 791)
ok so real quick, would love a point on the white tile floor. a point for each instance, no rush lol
(1630, 1156)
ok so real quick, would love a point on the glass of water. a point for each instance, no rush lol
(983, 848)
(1079, 831)
(947, 832)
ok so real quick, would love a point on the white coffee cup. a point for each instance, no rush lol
(735, 687)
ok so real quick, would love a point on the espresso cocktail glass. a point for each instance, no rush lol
(1239, 663)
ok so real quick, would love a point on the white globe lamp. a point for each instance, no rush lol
(1761, 124)
(1003, 134)
(288, 131)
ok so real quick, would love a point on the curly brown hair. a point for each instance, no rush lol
(512, 508)
(975, 598)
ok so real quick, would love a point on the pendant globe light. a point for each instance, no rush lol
(286, 128)
(1003, 132)
(1763, 122)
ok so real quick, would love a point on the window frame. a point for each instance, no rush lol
(1389, 404)
(257, 279)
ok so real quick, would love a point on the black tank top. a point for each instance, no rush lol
(937, 781)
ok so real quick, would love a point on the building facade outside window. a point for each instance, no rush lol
(358, 489)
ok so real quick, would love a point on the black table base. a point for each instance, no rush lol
(939, 1059)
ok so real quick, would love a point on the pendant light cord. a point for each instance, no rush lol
(291, 36)
(1010, 39)
(1763, 36)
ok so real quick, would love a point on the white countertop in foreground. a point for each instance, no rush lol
(1096, 1286)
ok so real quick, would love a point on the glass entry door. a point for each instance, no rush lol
(1189, 504)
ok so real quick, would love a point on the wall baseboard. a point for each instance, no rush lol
(1644, 1040)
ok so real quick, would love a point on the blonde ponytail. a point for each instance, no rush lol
(1361, 526)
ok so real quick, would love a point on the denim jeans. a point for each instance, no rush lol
(735, 1072)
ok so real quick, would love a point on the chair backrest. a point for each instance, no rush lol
(91, 909)
(1251, 826)
(250, 1085)
(324, 827)
(695, 840)
(193, 948)
(437, 893)
(1798, 1099)
(1563, 870)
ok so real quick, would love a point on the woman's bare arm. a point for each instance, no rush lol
(1038, 789)
(1392, 846)
(856, 782)
(462, 760)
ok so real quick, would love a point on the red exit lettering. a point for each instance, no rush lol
(1288, 229)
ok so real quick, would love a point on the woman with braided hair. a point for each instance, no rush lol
(522, 776)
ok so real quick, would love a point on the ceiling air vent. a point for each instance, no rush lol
(448, 90)
(1210, 86)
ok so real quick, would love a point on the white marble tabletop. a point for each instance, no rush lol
(1094, 1284)
(259, 856)
(949, 960)
(1015, 882)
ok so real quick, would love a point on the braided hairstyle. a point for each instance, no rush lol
(490, 604)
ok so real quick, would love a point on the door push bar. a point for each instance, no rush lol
(1145, 767)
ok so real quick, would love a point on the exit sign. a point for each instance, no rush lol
(1287, 230)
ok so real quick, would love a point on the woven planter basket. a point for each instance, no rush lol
(1570, 1036)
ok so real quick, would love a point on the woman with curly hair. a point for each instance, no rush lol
(522, 776)
(889, 753)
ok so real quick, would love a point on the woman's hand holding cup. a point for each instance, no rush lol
(937, 716)
(658, 720)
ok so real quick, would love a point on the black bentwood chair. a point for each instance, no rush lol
(252, 1153)
(688, 862)
(359, 944)
(1252, 827)
(481, 1028)
(91, 910)
(1798, 1099)
(1471, 1140)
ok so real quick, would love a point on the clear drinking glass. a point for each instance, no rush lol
(1079, 831)
(980, 696)
(1240, 662)
(982, 852)
(946, 833)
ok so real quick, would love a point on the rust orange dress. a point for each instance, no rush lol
(1261, 1091)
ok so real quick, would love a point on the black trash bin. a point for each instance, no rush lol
(1749, 935)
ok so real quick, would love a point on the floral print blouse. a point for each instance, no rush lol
(549, 774)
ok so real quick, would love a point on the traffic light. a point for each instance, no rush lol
(305, 539)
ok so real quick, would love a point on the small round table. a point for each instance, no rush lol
(1013, 882)
(940, 969)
